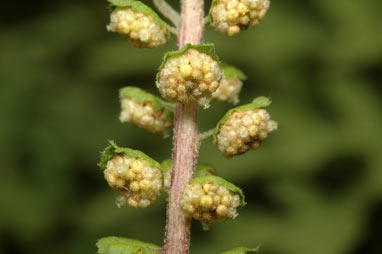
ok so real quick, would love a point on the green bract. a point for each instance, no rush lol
(241, 250)
(121, 245)
(222, 182)
(111, 150)
(231, 72)
(259, 102)
(208, 49)
(203, 170)
(214, 2)
(166, 165)
(139, 95)
(138, 6)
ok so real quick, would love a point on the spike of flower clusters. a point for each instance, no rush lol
(144, 110)
(232, 16)
(243, 129)
(135, 175)
(189, 77)
(208, 201)
(140, 28)
(230, 85)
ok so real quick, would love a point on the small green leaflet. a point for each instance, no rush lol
(121, 245)
(241, 250)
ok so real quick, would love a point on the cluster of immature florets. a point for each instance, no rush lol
(209, 202)
(231, 16)
(140, 28)
(228, 90)
(244, 130)
(190, 77)
(144, 115)
(139, 182)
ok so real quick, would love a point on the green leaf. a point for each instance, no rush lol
(222, 182)
(231, 72)
(138, 6)
(111, 150)
(208, 49)
(203, 170)
(139, 95)
(259, 102)
(121, 245)
(241, 250)
(214, 2)
(166, 165)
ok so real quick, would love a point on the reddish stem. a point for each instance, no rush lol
(186, 139)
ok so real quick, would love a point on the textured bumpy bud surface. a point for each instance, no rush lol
(136, 176)
(231, 16)
(211, 198)
(145, 110)
(230, 85)
(190, 75)
(244, 128)
(139, 23)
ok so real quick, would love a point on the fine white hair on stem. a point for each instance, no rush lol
(168, 12)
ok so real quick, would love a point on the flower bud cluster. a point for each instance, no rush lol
(139, 182)
(228, 90)
(230, 85)
(244, 130)
(144, 110)
(231, 16)
(189, 77)
(140, 28)
(209, 202)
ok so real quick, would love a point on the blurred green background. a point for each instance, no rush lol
(313, 187)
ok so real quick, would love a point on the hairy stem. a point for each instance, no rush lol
(186, 139)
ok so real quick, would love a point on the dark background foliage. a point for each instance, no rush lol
(313, 187)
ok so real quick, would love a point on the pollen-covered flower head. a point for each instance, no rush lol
(244, 128)
(232, 16)
(145, 110)
(135, 175)
(230, 85)
(211, 198)
(139, 23)
(201, 170)
(190, 75)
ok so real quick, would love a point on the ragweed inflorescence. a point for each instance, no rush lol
(232, 16)
(136, 176)
(211, 198)
(145, 110)
(141, 25)
(190, 75)
(244, 128)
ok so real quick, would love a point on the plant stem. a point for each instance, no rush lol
(186, 139)
(168, 11)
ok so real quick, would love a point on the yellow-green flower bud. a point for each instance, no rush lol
(145, 110)
(211, 198)
(136, 176)
(139, 23)
(230, 85)
(232, 16)
(244, 128)
(190, 75)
